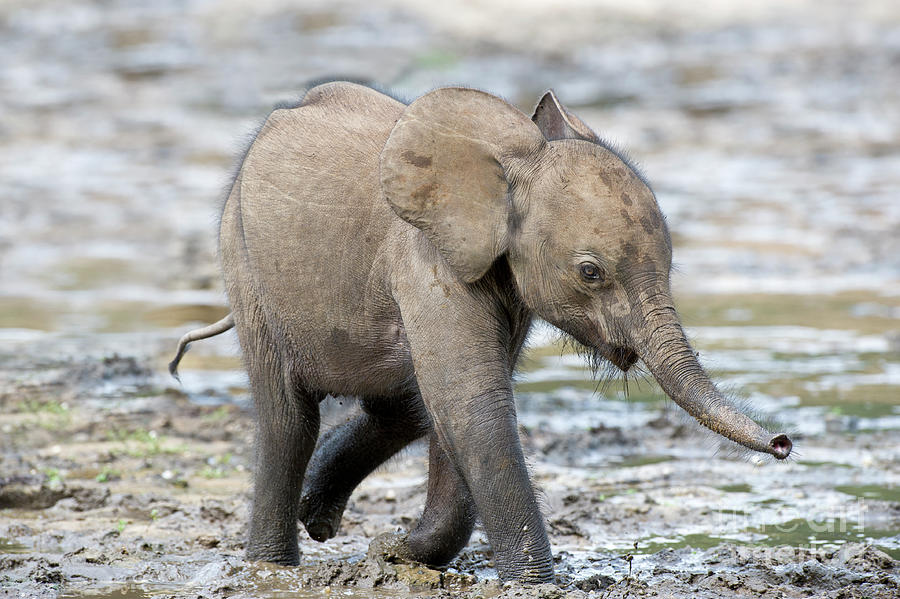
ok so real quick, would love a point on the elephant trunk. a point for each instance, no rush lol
(668, 355)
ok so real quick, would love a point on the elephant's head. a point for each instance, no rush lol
(584, 237)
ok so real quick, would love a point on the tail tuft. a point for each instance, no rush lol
(173, 367)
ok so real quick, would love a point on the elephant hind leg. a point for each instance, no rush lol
(350, 452)
(286, 429)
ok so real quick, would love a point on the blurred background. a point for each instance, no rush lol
(770, 131)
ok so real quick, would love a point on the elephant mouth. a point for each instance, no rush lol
(598, 352)
(622, 357)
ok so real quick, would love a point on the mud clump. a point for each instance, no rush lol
(115, 367)
(27, 493)
(597, 582)
(94, 507)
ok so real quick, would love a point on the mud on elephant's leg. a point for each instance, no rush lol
(350, 452)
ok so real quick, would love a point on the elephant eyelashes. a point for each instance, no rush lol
(590, 271)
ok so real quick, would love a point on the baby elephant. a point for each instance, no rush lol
(399, 253)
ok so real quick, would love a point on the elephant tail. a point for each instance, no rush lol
(201, 333)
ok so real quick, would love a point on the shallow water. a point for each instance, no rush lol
(788, 375)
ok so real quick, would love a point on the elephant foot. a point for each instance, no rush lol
(321, 521)
(273, 554)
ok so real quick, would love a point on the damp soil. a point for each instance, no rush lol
(143, 492)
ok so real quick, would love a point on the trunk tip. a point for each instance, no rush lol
(780, 446)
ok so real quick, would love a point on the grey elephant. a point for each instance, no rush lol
(399, 253)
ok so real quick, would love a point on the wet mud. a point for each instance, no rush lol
(148, 497)
(770, 135)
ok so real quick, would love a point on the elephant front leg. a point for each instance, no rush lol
(449, 516)
(484, 446)
(462, 367)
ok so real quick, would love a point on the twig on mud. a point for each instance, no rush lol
(628, 557)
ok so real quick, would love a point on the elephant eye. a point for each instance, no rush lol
(590, 271)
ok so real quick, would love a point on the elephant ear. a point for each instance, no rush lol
(555, 122)
(448, 168)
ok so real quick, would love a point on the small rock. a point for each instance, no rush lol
(208, 541)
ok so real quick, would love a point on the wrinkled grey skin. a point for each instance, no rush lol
(398, 254)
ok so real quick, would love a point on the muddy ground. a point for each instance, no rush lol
(769, 131)
(146, 494)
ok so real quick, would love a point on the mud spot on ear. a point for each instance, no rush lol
(416, 159)
(648, 226)
(626, 216)
(425, 193)
(604, 176)
(626, 199)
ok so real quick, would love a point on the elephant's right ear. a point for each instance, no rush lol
(555, 122)
(448, 169)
